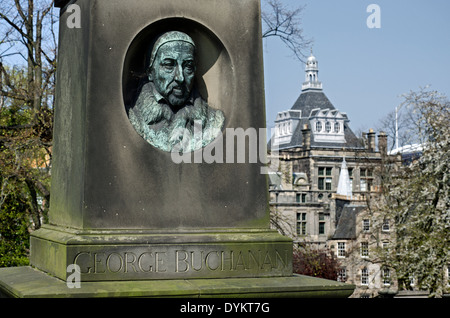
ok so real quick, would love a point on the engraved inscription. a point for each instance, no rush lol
(180, 261)
(100, 263)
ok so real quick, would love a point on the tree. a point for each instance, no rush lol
(416, 199)
(315, 262)
(27, 69)
(285, 24)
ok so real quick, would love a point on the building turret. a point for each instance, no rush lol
(312, 75)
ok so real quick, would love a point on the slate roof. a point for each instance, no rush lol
(306, 102)
(275, 180)
(346, 227)
(309, 100)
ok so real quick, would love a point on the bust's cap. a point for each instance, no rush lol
(171, 36)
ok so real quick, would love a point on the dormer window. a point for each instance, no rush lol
(337, 127)
(328, 125)
(318, 126)
(285, 125)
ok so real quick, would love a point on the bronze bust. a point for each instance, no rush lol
(169, 112)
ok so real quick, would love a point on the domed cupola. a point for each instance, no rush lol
(312, 74)
(311, 63)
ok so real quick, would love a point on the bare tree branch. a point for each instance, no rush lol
(26, 90)
(286, 25)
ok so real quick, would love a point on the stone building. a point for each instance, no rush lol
(359, 236)
(323, 177)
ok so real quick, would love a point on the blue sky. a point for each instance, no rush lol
(364, 71)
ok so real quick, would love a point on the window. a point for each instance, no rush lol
(366, 225)
(366, 179)
(337, 127)
(365, 276)
(328, 182)
(325, 178)
(321, 184)
(321, 223)
(364, 249)
(318, 126)
(300, 197)
(327, 126)
(341, 249)
(321, 228)
(342, 275)
(301, 224)
(363, 185)
(386, 273)
(350, 175)
(385, 226)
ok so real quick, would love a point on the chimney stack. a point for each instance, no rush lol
(371, 140)
(382, 143)
(306, 133)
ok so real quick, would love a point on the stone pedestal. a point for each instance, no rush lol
(26, 282)
(126, 212)
(123, 256)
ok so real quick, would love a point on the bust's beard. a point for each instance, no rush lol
(183, 118)
(155, 113)
(176, 102)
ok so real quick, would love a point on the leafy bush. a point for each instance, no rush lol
(14, 235)
(315, 262)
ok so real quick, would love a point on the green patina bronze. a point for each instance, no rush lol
(169, 113)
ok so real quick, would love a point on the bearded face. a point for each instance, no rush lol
(173, 72)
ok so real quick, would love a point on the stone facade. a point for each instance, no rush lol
(359, 237)
(303, 190)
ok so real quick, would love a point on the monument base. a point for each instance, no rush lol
(28, 282)
(121, 255)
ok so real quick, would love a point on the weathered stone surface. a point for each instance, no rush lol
(123, 209)
(116, 255)
(27, 282)
(106, 176)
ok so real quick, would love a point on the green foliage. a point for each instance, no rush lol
(25, 152)
(14, 235)
(417, 199)
(25, 157)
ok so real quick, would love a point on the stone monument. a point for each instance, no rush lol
(134, 82)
